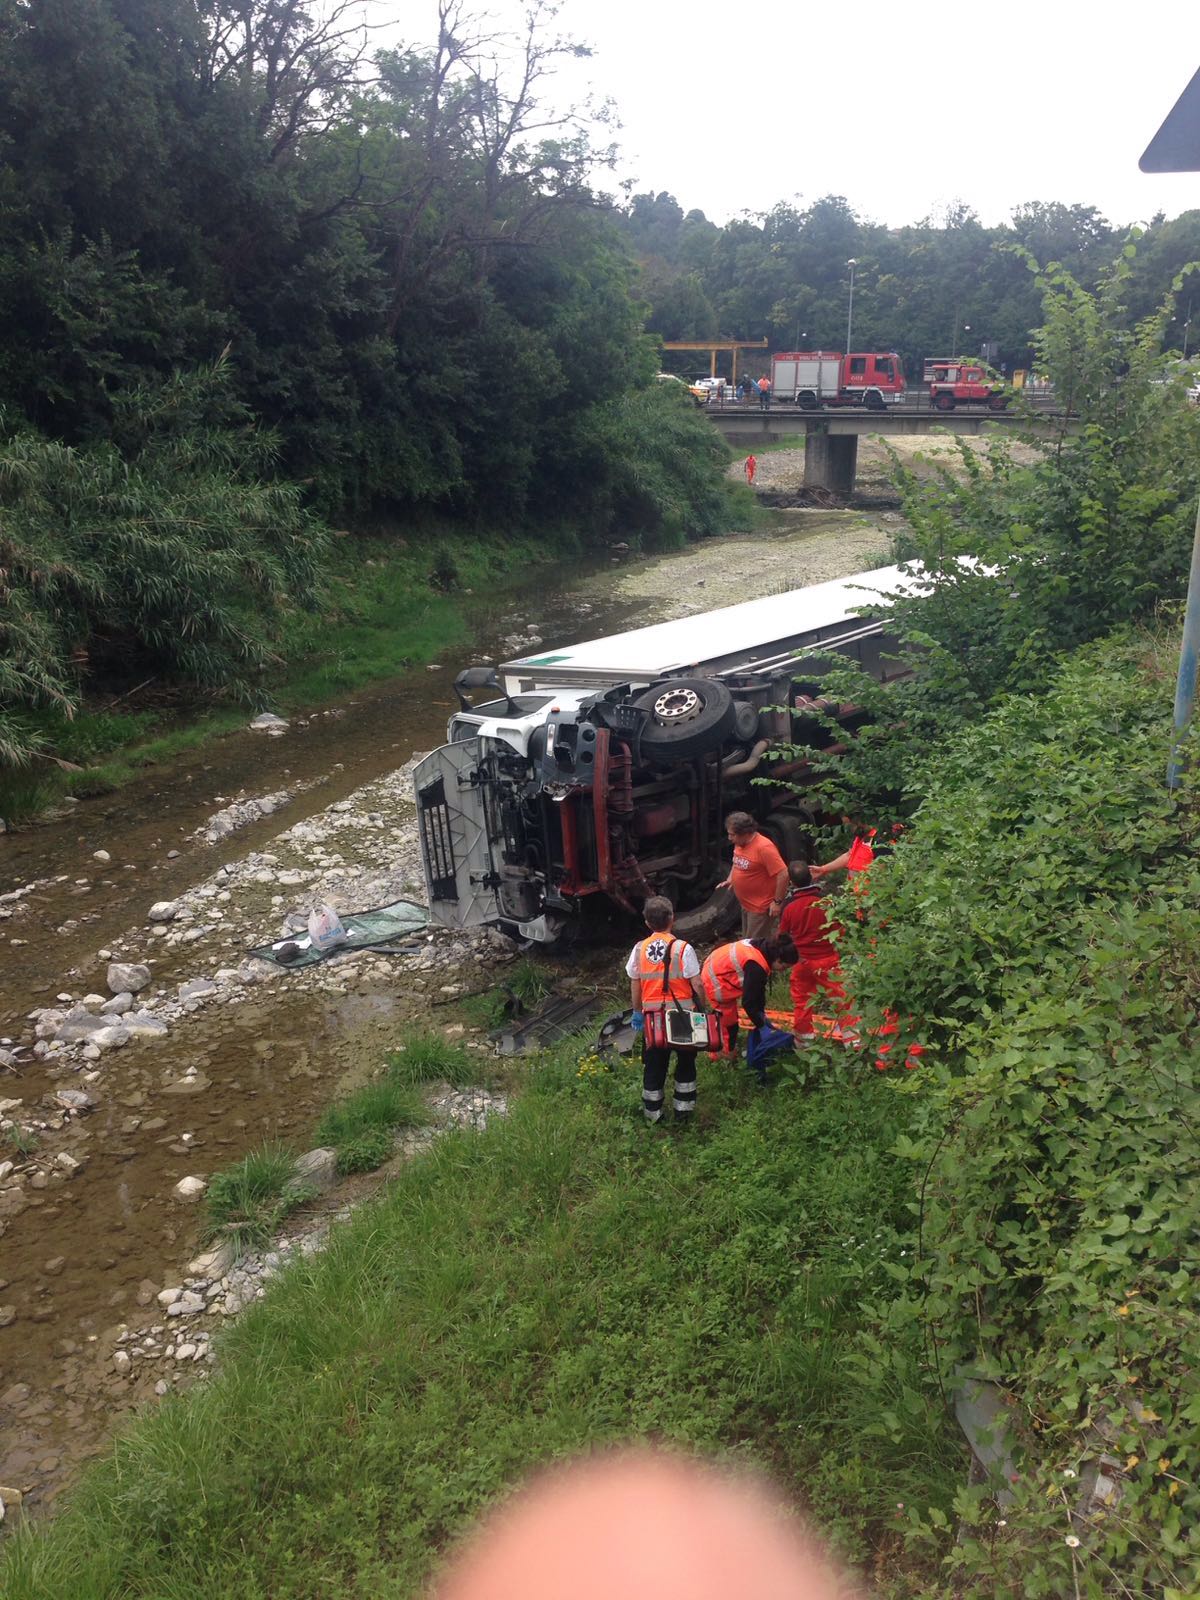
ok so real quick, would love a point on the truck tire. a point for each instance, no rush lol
(874, 401)
(998, 402)
(708, 923)
(807, 400)
(688, 717)
(788, 833)
(944, 402)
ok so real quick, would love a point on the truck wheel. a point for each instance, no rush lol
(688, 716)
(944, 402)
(874, 401)
(789, 836)
(997, 402)
(807, 400)
(710, 922)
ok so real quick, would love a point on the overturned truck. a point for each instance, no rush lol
(593, 776)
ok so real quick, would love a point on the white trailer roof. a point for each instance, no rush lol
(749, 631)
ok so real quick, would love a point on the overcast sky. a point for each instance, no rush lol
(900, 107)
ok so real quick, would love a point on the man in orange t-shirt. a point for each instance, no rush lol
(758, 876)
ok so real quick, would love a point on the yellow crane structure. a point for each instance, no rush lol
(715, 347)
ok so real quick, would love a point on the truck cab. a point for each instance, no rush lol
(955, 383)
(585, 779)
(874, 377)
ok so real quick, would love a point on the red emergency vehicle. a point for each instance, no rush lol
(818, 378)
(962, 383)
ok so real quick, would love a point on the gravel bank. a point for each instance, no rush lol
(806, 547)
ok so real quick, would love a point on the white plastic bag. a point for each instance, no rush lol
(325, 930)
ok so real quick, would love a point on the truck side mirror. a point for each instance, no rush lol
(482, 678)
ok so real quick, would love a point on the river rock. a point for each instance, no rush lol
(111, 1038)
(127, 977)
(142, 1025)
(168, 1297)
(118, 1005)
(121, 1361)
(189, 1189)
(5, 1168)
(7, 1314)
(266, 720)
(66, 1162)
(197, 989)
(315, 1169)
(164, 911)
(213, 1263)
(101, 855)
(185, 1352)
(79, 1025)
(188, 1304)
(73, 1099)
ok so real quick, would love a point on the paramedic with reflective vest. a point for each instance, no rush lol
(664, 971)
(738, 973)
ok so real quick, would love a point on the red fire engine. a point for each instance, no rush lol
(817, 378)
(960, 383)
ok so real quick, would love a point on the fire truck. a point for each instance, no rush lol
(961, 383)
(584, 779)
(818, 378)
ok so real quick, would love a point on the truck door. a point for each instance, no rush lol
(453, 788)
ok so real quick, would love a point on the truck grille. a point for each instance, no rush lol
(436, 843)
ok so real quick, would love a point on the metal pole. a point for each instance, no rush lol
(852, 263)
(1189, 661)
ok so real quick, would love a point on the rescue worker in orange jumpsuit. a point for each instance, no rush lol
(739, 972)
(664, 971)
(857, 859)
(805, 920)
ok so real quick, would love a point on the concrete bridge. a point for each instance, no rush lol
(831, 437)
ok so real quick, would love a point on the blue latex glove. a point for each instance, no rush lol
(637, 1022)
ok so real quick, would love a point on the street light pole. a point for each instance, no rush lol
(852, 263)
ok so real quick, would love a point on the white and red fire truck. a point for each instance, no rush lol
(818, 378)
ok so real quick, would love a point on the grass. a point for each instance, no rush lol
(361, 1128)
(431, 1058)
(565, 1278)
(21, 1141)
(247, 1202)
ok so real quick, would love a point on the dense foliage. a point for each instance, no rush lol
(1038, 928)
(164, 549)
(419, 307)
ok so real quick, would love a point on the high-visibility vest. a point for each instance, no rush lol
(722, 973)
(650, 973)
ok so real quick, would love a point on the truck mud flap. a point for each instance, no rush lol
(450, 790)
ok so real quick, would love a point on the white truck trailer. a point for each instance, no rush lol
(599, 774)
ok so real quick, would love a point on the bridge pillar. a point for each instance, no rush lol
(831, 461)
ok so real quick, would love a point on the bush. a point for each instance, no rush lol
(163, 552)
(1038, 928)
